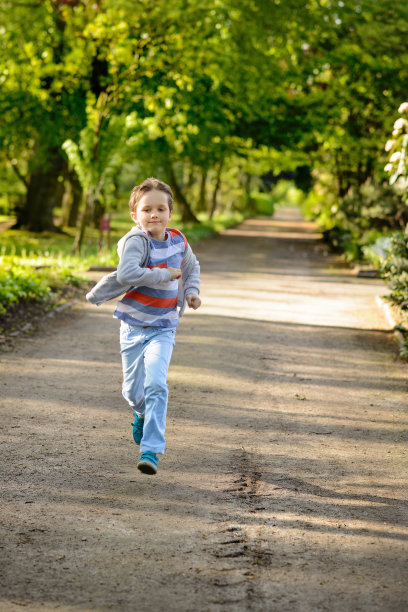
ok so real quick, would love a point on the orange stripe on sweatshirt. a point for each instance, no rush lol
(147, 300)
(157, 266)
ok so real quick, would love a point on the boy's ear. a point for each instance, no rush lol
(134, 216)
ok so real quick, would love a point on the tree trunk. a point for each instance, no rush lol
(86, 215)
(59, 190)
(77, 195)
(187, 215)
(249, 202)
(216, 189)
(98, 212)
(202, 198)
(66, 204)
(188, 180)
(71, 200)
(43, 193)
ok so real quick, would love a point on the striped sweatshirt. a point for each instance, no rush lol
(156, 304)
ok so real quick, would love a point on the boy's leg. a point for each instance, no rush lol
(157, 355)
(132, 339)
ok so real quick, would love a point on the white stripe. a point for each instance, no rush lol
(157, 254)
(166, 285)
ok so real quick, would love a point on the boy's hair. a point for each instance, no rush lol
(148, 185)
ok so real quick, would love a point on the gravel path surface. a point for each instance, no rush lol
(283, 488)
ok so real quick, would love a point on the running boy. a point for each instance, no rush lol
(157, 272)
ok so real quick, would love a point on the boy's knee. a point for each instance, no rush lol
(136, 401)
(156, 387)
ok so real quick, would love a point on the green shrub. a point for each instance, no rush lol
(263, 203)
(17, 283)
(34, 280)
(359, 219)
(390, 255)
(395, 269)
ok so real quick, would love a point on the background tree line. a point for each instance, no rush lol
(219, 98)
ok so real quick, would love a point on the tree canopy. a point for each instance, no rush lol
(206, 95)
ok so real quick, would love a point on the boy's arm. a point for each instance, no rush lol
(106, 289)
(130, 272)
(190, 273)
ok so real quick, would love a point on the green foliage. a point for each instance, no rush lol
(42, 69)
(263, 203)
(397, 148)
(17, 283)
(221, 93)
(404, 347)
(359, 219)
(285, 193)
(391, 256)
(102, 146)
(33, 279)
(355, 67)
(56, 248)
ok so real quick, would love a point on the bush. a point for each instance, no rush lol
(390, 255)
(395, 269)
(362, 217)
(18, 283)
(33, 280)
(263, 203)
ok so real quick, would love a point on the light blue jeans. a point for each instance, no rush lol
(146, 354)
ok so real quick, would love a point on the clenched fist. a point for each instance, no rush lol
(193, 301)
(174, 273)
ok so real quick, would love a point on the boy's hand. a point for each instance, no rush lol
(193, 301)
(174, 273)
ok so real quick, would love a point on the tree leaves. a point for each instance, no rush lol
(208, 84)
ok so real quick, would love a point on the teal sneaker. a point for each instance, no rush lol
(138, 428)
(148, 463)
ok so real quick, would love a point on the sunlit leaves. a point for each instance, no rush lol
(397, 147)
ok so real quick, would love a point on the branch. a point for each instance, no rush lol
(101, 106)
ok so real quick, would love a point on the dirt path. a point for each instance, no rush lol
(284, 485)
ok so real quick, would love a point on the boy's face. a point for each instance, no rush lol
(153, 213)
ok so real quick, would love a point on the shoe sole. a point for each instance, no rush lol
(147, 468)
